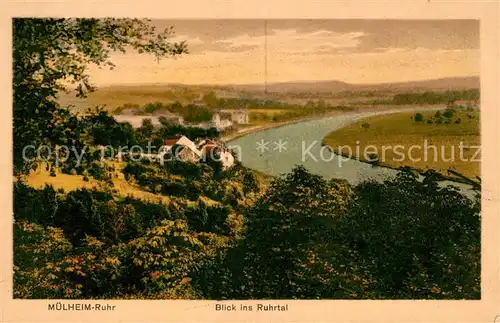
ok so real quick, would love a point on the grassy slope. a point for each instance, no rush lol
(400, 129)
(41, 177)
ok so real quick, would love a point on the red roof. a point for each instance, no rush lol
(171, 141)
(208, 148)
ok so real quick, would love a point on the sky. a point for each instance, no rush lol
(353, 51)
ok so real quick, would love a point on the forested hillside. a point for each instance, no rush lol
(234, 237)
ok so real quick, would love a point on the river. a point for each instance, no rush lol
(301, 145)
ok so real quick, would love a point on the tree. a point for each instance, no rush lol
(146, 130)
(417, 239)
(419, 117)
(287, 250)
(48, 54)
(449, 113)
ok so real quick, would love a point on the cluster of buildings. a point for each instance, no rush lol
(201, 150)
(474, 104)
(219, 119)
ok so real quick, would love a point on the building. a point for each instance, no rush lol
(186, 154)
(474, 104)
(181, 148)
(240, 116)
(218, 153)
(219, 123)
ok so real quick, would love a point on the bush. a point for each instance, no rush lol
(99, 171)
(449, 113)
(204, 218)
(186, 169)
(419, 117)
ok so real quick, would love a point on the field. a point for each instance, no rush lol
(115, 96)
(41, 177)
(123, 188)
(385, 133)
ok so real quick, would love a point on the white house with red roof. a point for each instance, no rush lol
(218, 153)
(185, 149)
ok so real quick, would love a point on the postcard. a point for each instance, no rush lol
(262, 162)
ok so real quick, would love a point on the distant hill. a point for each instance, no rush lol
(450, 83)
(297, 86)
(118, 95)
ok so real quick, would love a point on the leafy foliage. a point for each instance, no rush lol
(220, 236)
(418, 117)
(50, 53)
(311, 238)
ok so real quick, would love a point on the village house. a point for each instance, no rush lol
(219, 123)
(180, 148)
(240, 116)
(200, 142)
(218, 153)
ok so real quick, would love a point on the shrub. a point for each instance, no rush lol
(204, 218)
(419, 117)
(99, 171)
(250, 183)
(449, 113)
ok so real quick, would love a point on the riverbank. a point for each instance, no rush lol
(430, 144)
(398, 168)
(301, 134)
(375, 109)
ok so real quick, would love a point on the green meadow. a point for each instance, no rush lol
(387, 131)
